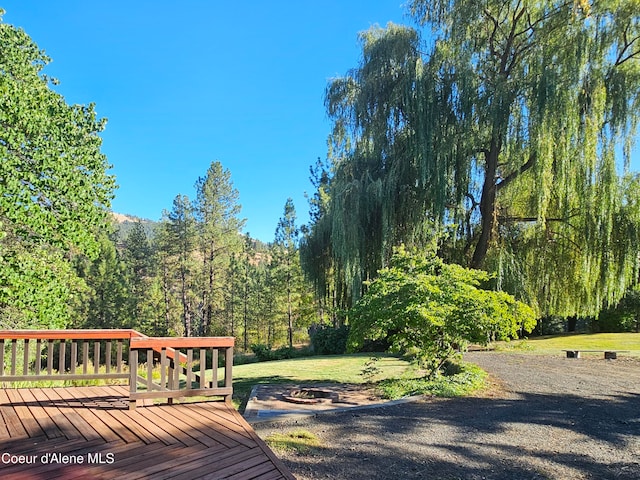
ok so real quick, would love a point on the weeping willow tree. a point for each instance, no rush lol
(508, 121)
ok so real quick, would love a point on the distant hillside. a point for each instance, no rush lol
(124, 218)
(126, 222)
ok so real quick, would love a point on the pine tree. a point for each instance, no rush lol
(217, 212)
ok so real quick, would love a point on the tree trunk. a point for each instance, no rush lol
(289, 310)
(487, 205)
(246, 307)
(208, 316)
(186, 311)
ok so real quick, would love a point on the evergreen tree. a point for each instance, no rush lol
(216, 211)
(140, 261)
(108, 301)
(287, 256)
(180, 237)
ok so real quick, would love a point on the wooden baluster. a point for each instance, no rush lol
(149, 369)
(189, 368)
(85, 356)
(119, 357)
(50, 357)
(14, 349)
(176, 374)
(38, 355)
(163, 368)
(214, 367)
(203, 368)
(61, 359)
(74, 356)
(96, 357)
(25, 357)
(107, 356)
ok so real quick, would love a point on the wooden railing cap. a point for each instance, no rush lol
(74, 334)
(182, 342)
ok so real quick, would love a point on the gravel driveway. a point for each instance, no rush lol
(546, 417)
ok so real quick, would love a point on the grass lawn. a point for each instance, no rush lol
(320, 369)
(553, 345)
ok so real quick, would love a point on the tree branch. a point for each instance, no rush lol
(513, 175)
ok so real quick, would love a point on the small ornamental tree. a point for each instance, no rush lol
(431, 309)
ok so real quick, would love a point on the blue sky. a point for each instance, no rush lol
(185, 83)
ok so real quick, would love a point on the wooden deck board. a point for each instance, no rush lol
(222, 417)
(12, 422)
(27, 419)
(65, 414)
(67, 426)
(199, 427)
(85, 415)
(189, 440)
(207, 466)
(220, 435)
(47, 425)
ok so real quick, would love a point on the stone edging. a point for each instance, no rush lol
(254, 416)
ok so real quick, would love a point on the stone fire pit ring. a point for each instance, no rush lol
(310, 396)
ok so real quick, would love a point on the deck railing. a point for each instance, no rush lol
(60, 355)
(180, 356)
(36, 355)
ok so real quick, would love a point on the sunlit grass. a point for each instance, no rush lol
(299, 441)
(553, 345)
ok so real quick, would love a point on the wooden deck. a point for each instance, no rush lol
(88, 432)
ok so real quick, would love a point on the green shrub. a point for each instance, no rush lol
(262, 352)
(422, 305)
(459, 379)
(327, 340)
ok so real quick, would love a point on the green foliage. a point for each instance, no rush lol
(217, 213)
(370, 369)
(290, 285)
(264, 353)
(624, 317)
(108, 302)
(461, 381)
(54, 189)
(505, 123)
(38, 287)
(431, 309)
(328, 340)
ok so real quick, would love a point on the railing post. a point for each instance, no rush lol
(2, 356)
(133, 376)
(228, 369)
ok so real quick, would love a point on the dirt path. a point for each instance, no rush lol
(551, 418)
